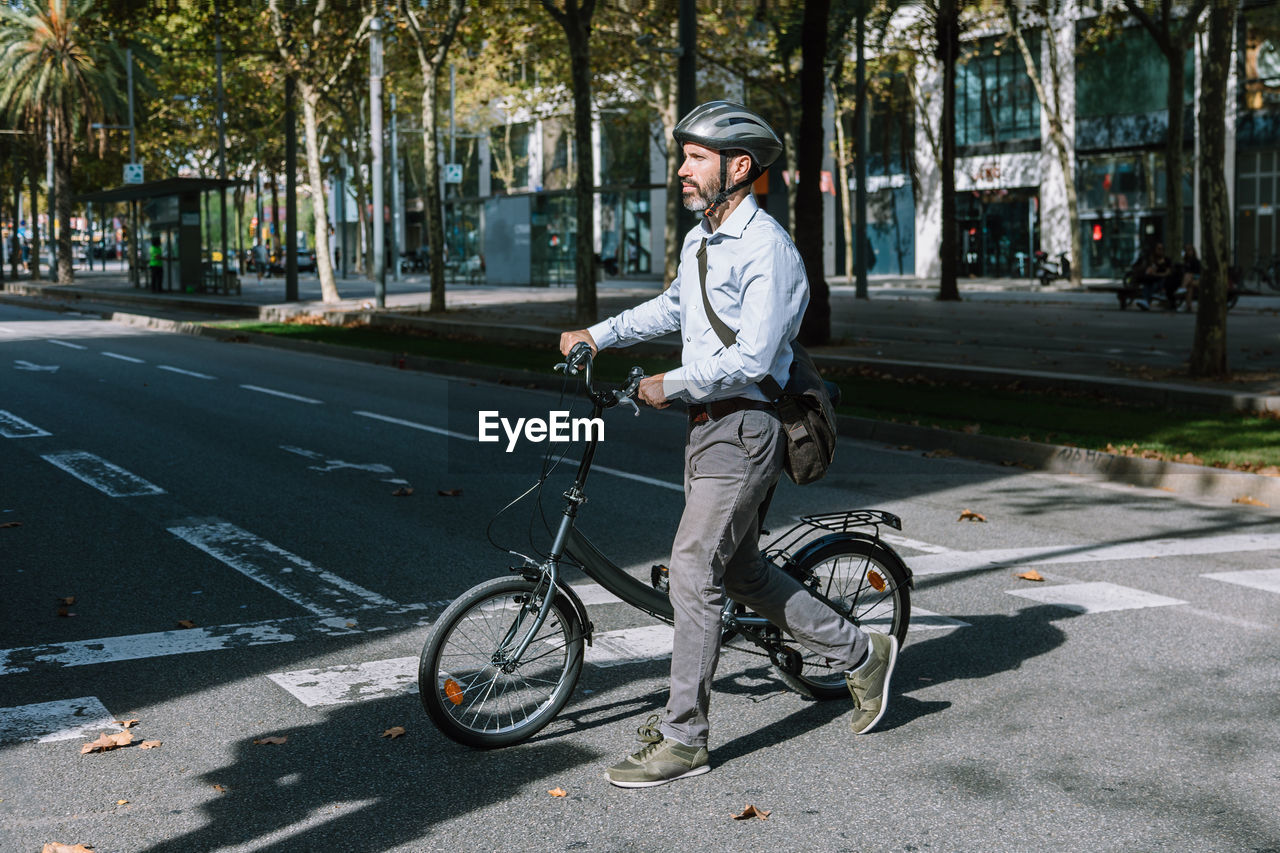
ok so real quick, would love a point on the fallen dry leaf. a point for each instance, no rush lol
(394, 732)
(186, 623)
(128, 724)
(221, 789)
(266, 740)
(107, 742)
(402, 492)
(122, 802)
(64, 613)
(1248, 500)
(11, 524)
(970, 515)
(1030, 575)
(558, 792)
(150, 744)
(66, 848)
(940, 453)
(450, 493)
(68, 601)
(751, 811)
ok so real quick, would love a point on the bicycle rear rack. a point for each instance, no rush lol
(782, 546)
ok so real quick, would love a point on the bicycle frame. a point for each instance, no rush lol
(788, 548)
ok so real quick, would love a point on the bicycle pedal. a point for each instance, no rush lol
(660, 578)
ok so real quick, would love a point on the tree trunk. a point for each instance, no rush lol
(670, 115)
(842, 181)
(1173, 152)
(816, 326)
(584, 183)
(431, 190)
(311, 126)
(1209, 348)
(62, 154)
(948, 48)
(33, 182)
(275, 215)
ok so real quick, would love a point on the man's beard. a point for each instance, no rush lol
(700, 199)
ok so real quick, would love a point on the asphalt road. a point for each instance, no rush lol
(1127, 702)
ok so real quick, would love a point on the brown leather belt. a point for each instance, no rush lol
(700, 413)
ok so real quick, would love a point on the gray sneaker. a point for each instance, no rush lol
(658, 763)
(869, 683)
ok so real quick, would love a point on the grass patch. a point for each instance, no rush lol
(1241, 441)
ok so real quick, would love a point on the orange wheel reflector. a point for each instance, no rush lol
(876, 581)
(453, 691)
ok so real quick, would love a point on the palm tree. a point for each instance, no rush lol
(62, 73)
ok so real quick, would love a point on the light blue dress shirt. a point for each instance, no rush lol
(757, 286)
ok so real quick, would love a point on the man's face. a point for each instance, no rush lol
(699, 176)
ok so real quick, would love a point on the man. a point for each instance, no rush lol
(734, 449)
(155, 264)
(1157, 274)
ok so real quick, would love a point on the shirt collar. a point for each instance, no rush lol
(737, 221)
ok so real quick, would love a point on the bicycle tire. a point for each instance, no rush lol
(887, 610)
(475, 702)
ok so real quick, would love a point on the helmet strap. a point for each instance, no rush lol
(723, 196)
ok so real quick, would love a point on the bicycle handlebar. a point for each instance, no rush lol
(581, 359)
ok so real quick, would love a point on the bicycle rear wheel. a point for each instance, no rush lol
(868, 584)
(472, 688)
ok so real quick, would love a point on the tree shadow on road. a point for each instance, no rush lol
(319, 791)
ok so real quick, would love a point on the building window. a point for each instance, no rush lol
(1126, 75)
(1262, 58)
(995, 100)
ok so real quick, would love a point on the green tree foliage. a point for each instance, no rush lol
(63, 73)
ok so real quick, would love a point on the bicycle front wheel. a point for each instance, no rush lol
(474, 688)
(868, 583)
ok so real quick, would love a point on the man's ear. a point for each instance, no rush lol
(740, 169)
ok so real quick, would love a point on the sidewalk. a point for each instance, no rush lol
(538, 314)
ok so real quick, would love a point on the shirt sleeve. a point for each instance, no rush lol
(646, 321)
(775, 293)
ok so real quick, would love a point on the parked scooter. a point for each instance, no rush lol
(1050, 271)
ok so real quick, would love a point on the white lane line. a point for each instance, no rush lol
(46, 722)
(914, 544)
(4, 331)
(964, 561)
(306, 585)
(639, 478)
(283, 394)
(120, 357)
(185, 372)
(66, 344)
(338, 685)
(1267, 580)
(106, 477)
(1097, 597)
(207, 639)
(12, 426)
(630, 645)
(413, 425)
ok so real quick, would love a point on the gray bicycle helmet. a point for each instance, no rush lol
(722, 125)
(725, 126)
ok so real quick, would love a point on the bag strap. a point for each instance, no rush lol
(768, 384)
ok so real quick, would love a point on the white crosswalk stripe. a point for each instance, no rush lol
(1096, 597)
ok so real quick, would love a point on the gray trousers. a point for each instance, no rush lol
(730, 465)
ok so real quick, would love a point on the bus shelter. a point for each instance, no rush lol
(172, 210)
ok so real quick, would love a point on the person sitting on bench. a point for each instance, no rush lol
(1158, 272)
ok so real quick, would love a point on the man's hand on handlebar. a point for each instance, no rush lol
(569, 339)
(651, 391)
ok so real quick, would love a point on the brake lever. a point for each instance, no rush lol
(627, 401)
